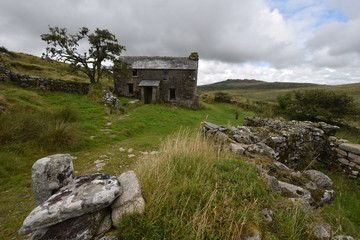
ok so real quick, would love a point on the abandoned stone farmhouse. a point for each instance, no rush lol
(161, 80)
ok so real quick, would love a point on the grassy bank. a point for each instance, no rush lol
(193, 191)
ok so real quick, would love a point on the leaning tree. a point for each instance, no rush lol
(102, 46)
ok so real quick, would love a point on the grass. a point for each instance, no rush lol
(21, 63)
(350, 134)
(188, 186)
(343, 213)
(192, 190)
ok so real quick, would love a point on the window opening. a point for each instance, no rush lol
(166, 74)
(172, 94)
(135, 72)
(131, 88)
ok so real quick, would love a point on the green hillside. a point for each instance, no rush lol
(237, 84)
(269, 91)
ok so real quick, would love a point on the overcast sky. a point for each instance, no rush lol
(314, 41)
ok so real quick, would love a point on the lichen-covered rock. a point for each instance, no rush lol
(130, 201)
(311, 186)
(343, 237)
(209, 126)
(237, 148)
(320, 178)
(250, 232)
(273, 183)
(267, 215)
(262, 149)
(304, 205)
(221, 137)
(85, 194)
(49, 174)
(322, 231)
(85, 227)
(109, 238)
(348, 147)
(281, 166)
(293, 191)
(328, 197)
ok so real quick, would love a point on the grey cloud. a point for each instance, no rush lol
(336, 44)
(227, 31)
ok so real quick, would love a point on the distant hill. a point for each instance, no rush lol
(246, 84)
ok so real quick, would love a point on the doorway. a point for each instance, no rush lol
(147, 95)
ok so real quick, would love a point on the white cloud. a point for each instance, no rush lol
(214, 71)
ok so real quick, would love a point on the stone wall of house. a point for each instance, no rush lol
(41, 83)
(183, 81)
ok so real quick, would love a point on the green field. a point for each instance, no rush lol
(269, 91)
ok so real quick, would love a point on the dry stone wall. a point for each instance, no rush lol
(348, 156)
(41, 83)
(290, 142)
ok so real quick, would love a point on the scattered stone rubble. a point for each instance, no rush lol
(82, 208)
(110, 99)
(283, 145)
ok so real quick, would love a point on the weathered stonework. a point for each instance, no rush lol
(290, 142)
(349, 158)
(161, 80)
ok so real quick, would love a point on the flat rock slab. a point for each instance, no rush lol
(209, 125)
(353, 148)
(85, 227)
(85, 194)
(320, 178)
(49, 174)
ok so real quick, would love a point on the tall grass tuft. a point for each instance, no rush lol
(193, 191)
(67, 114)
(45, 129)
(58, 135)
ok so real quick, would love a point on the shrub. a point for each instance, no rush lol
(222, 97)
(317, 105)
(5, 51)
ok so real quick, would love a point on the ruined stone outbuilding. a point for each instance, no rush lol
(161, 80)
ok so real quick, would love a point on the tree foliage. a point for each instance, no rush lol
(317, 105)
(103, 46)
